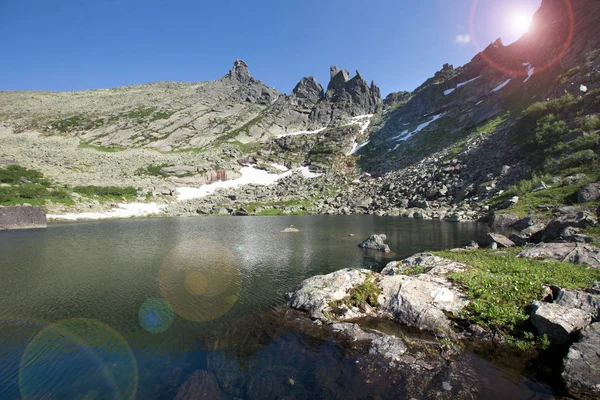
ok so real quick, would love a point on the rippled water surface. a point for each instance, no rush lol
(151, 308)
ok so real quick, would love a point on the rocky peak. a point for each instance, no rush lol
(239, 72)
(308, 91)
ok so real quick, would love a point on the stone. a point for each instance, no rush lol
(558, 322)
(18, 217)
(375, 242)
(290, 229)
(586, 302)
(503, 220)
(588, 193)
(200, 385)
(500, 240)
(574, 179)
(429, 263)
(576, 253)
(554, 230)
(581, 367)
(390, 347)
(314, 295)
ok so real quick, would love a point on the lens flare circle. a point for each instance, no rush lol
(538, 69)
(200, 279)
(78, 358)
(156, 315)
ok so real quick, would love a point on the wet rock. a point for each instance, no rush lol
(390, 347)
(589, 192)
(375, 242)
(200, 385)
(570, 252)
(558, 322)
(581, 372)
(500, 240)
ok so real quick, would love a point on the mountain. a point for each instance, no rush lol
(467, 139)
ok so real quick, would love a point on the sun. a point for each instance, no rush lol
(520, 22)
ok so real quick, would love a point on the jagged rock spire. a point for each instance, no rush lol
(239, 72)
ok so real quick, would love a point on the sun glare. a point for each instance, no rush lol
(520, 23)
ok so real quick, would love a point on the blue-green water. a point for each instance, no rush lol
(151, 308)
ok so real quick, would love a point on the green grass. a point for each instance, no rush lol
(251, 207)
(29, 186)
(360, 296)
(501, 287)
(152, 170)
(555, 196)
(106, 192)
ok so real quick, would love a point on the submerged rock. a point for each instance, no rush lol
(581, 372)
(290, 229)
(375, 242)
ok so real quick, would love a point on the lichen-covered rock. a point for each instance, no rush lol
(421, 301)
(558, 322)
(581, 367)
(576, 253)
(375, 242)
(22, 218)
(315, 294)
(426, 263)
(586, 302)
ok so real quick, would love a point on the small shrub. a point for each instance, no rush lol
(106, 191)
(579, 159)
(590, 124)
(15, 174)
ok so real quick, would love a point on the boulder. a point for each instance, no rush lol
(290, 229)
(569, 218)
(589, 192)
(574, 179)
(500, 240)
(558, 322)
(421, 301)
(22, 218)
(375, 242)
(581, 367)
(503, 220)
(576, 253)
(584, 301)
(427, 263)
(315, 294)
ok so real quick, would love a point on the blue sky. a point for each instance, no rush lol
(79, 44)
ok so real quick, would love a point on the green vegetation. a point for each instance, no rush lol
(277, 208)
(564, 78)
(107, 192)
(162, 115)
(501, 287)
(76, 122)
(84, 145)
(21, 185)
(152, 170)
(481, 130)
(360, 296)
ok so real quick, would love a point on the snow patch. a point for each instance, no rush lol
(479, 102)
(530, 71)
(501, 86)
(279, 167)
(406, 135)
(250, 176)
(467, 82)
(301, 133)
(357, 147)
(125, 210)
(447, 92)
(583, 88)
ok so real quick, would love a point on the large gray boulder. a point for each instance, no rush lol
(421, 301)
(375, 242)
(584, 301)
(500, 240)
(581, 367)
(424, 263)
(315, 295)
(558, 322)
(589, 192)
(22, 218)
(576, 253)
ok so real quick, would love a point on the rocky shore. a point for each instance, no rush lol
(429, 293)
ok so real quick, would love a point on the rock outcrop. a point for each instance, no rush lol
(576, 253)
(22, 218)
(581, 372)
(375, 242)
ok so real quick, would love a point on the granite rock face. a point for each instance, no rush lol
(581, 372)
(22, 218)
